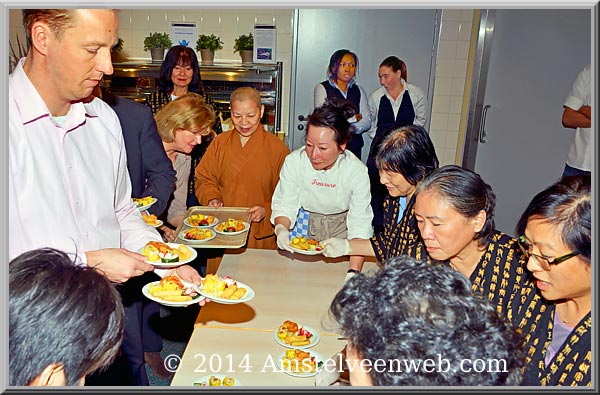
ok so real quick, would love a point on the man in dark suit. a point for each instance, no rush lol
(151, 174)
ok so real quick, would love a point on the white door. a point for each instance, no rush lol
(370, 33)
(535, 57)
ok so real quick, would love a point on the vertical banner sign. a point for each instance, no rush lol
(265, 41)
(183, 33)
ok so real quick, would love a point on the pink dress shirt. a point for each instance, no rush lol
(68, 184)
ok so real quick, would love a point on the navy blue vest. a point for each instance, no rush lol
(353, 94)
(385, 116)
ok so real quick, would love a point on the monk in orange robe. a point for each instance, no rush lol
(241, 167)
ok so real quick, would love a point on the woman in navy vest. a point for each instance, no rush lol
(341, 86)
(397, 103)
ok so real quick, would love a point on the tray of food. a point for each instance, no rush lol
(204, 217)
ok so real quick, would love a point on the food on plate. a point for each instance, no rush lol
(200, 220)
(231, 225)
(225, 288)
(143, 201)
(157, 251)
(171, 289)
(302, 243)
(293, 335)
(300, 361)
(214, 381)
(150, 219)
(198, 234)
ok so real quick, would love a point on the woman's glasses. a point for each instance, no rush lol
(544, 262)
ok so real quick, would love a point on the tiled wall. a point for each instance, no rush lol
(450, 72)
(451, 66)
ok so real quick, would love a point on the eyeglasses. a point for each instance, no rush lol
(544, 262)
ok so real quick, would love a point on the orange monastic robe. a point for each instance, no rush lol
(243, 177)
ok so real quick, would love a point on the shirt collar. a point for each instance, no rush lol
(350, 83)
(31, 105)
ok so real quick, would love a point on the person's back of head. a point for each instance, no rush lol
(65, 320)
(424, 327)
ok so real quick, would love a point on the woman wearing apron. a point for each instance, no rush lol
(326, 183)
(397, 103)
(341, 85)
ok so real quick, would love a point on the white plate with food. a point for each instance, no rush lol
(232, 227)
(200, 221)
(144, 203)
(293, 335)
(225, 290)
(167, 255)
(300, 363)
(217, 380)
(151, 220)
(303, 245)
(172, 291)
(197, 235)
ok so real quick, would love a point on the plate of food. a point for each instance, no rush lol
(151, 220)
(300, 363)
(144, 203)
(217, 380)
(232, 227)
(197, 235)
(293, 335)
(172, 291)
(303, 245)
(166, 255)
(201, 221)
(225, 290)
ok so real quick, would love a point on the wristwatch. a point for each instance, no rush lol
(353, 271)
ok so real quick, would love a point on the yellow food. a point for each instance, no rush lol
(302, 243)
(170, 289)
(184, 252)
(150, 219)
(200, 220)
(214, 285)
(214, 381)
(143, 201)
(231, 225)
(299, 361)
(228, 381)
(198, 234)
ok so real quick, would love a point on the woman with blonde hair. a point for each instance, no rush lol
(182, 124)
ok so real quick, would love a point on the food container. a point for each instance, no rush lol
(222, 214)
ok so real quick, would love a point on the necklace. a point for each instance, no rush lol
(566, 321)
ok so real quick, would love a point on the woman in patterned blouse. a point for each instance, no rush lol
(404, 157)
(554, 311)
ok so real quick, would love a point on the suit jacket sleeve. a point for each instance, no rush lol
(160, 175)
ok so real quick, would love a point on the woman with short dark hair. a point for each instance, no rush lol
(405, 157)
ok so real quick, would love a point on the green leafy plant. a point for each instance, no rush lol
(243, 43)
(118, 47)
(211, 42)
(157, 40)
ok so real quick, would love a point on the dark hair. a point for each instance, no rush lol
(60, 313)
(407, 150)
(180, 55)
(412, 311)
(396, 64)
(336, 58)
(466, 192)
(568, 205)
(333, 114)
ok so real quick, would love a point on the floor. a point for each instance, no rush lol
(176, 328)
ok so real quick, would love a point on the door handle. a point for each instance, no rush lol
(482, 132)
(301, 118)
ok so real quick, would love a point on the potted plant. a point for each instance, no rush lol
(116, 50)
(157, 43)
(244, 45)
(207, 45)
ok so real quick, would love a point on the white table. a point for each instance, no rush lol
(239, 337)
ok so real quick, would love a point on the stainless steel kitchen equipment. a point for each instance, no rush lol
(136, 80)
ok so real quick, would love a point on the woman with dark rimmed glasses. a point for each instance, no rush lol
(555, 236)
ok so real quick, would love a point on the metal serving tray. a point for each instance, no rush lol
(222, 214)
